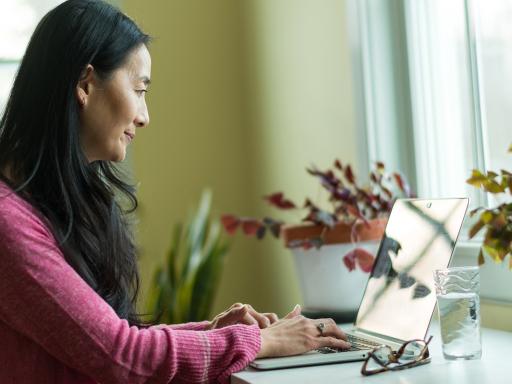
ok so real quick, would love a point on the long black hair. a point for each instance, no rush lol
(40, 146)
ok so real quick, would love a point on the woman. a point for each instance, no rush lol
(68, 273)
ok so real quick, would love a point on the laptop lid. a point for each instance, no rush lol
(400, 296)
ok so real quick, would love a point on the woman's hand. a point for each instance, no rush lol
(242, 314)
(296, 334)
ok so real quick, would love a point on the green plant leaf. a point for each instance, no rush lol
(196, 233)
(207, 281)
(487, 216)
(493, 187)
(496, 254)
(184, 286)
(173, 254)
(154, 296)
(477, 178)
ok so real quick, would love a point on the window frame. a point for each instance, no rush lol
(369, 94)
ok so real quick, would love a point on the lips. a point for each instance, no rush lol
(130, 135)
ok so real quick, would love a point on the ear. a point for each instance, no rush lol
(85, 85)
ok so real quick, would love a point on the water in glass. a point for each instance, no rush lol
(458, 304)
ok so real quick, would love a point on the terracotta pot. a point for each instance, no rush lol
(327, 285)
(340, 234)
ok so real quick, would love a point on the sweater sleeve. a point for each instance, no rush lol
(43, 298)
(195, 326)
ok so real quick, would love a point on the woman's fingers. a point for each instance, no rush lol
(262, 320)
(332, 342)
(234, 315)
(245, 314)
(294, 313)
(298, 334)
(329, 328)
(272, 317)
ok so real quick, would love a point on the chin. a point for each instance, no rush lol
(118, 156)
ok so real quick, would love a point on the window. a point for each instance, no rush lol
(437, 97)
(18, 19)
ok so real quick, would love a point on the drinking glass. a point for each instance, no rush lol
(458, 304)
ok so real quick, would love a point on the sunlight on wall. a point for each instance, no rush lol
(245, 96)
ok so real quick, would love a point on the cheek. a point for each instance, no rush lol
(123, 112)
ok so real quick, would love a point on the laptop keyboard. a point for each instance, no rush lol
(358, 343)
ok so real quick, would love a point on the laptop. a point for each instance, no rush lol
(400, 297)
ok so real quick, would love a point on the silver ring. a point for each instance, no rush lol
(320, 327)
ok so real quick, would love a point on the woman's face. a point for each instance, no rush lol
(113, 109)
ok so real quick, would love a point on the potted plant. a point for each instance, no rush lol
(184, 285)
(496, 222)
(334, 248)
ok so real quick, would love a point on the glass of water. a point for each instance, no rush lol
(458, 303)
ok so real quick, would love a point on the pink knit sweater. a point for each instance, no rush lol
(55, 329)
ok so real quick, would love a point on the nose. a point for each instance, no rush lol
(142, 118)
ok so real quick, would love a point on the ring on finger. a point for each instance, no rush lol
(320, 327)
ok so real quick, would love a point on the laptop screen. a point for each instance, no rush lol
(400, 295)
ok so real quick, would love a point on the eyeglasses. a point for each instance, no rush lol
(382, 358)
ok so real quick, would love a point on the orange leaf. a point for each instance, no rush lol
(476, 228)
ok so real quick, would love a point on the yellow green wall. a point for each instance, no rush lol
(245, 95)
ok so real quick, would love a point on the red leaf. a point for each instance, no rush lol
(278, 200)
(350, 260)
(402, 184)
(364, 259)
(337, 164)
(349, 175)
(230, 223)
(399, 181)
(250, 226)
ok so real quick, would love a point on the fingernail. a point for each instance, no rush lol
(297, 306)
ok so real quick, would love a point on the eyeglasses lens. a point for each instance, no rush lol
(380, 355)
(412, 352)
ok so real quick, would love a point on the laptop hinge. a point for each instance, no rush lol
(378, 337)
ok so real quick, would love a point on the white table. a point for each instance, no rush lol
(495, 367)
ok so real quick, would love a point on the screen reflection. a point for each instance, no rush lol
(400, 295)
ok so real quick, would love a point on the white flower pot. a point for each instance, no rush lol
(326, 283)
